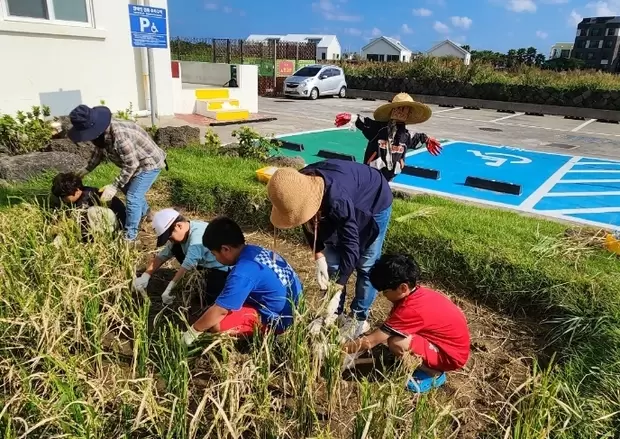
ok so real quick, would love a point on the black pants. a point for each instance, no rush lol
(214, 280)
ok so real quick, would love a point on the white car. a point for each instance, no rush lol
(316, 80)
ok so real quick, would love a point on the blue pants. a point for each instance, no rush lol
(365, 294)
(137, 207)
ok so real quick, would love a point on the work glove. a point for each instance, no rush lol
(433, 146)
(167, 298)
(343, 119)
(322, 274)
(190, 336)
(329, 315)
(108, 192)
(349, 360)
(140, 283)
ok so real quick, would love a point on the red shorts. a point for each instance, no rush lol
(241, 322)
(431, 355)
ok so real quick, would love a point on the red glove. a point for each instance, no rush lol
(433, 146)
(342, 119)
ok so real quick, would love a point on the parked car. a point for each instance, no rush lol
(316, 80)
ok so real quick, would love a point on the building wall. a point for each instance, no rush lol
(447, 50)
(380, 47)
(597, 44)
(333, 51)
(64, 65)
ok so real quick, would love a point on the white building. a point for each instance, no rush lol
(450, 48)
(561, 50)
(386, 49)
(63, 53)
(327, 46)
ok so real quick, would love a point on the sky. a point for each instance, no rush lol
(497, 25)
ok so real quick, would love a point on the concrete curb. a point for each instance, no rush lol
(555, 110)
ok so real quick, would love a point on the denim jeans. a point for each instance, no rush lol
(365, 294)
(137, 207)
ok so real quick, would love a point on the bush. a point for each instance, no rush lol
(253, 145)
(26, 132)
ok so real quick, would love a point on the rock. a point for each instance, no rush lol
(177, 137)
(230, 150)
(65, 126)
(287, 162)
(27, 166)
(83, 150)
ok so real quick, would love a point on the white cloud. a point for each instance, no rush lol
(353, 31)
(556, 2)
(210, 6)
(521, 6)
(227, 9)
(462, 22)
(406, 29)
(574, 18)
(422, 12)
(541, 34)
(376, 32)
(441, 28)
(333, 12)
(604, 9)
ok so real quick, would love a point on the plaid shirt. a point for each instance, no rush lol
(130, 148)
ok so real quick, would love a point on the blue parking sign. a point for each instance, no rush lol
(148, 26)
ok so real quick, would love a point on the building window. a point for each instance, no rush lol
(404, 58)
(323, 55)
(372, 57)
(587, 44)
(578, 32)
(590, 55)
(67, 11)
(596, 32)
(565, 53)
(600, 44)
(392, 58)
(609, 44)
(610, 32)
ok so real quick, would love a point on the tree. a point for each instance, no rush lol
(563, 64)
(466, 47)
(521, 55)
(539, 60)
(511, 58)
(530, 55)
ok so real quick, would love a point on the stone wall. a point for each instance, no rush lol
(604, 100)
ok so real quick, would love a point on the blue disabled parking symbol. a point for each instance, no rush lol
(149, 27)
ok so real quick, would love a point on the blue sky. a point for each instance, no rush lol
(483, 24)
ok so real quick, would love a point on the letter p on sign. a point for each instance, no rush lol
(145, 23)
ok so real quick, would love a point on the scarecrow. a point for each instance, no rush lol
(388, 137)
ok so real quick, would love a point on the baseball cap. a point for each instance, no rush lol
(163, 222)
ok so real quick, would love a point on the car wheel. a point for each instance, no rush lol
(314, 94)
(342, 93)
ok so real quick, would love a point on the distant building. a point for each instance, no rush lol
(386, 49)
(450, 48)
(561, 50)
(327, 46)
(597, 43)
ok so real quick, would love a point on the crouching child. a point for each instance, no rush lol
(94, 215)
(182, 240)
(422, 322)
(261, 290)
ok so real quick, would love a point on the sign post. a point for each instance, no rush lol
(149, 29)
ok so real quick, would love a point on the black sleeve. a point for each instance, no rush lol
(118, 207)
(369, 127)
(418, 140)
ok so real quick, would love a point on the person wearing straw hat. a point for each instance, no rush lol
(344, 208)
(388, 137)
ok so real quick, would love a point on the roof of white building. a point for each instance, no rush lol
(449, 42)
(391, 41)
(324, 40)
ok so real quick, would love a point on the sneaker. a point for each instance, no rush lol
(353, 328)
(421, 382)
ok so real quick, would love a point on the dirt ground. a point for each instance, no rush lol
(502, 350)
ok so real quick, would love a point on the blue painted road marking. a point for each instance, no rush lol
(562, 186)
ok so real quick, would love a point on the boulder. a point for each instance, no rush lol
(177, 137)
(27, 166)
(83, 150)
(65, 126)
(286, 162)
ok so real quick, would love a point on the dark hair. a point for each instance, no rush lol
(390, 271)
(222, 231)
(64, 185)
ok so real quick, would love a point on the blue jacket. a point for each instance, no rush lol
(354, 193)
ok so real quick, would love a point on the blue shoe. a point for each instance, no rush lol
(421, 382)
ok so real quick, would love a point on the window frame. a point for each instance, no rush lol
(89, 24)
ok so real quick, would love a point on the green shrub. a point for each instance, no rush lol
(253, 145)
(212, 141)
(26, 132)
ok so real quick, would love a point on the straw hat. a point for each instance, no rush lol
(418, 113)
(295, 197)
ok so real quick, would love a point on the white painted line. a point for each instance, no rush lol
(507, 117)
(278, 113)
(578, 220)
(544, 188)
(583, 125)
(602, 180)
(598, 163)
(447, 109)
(584, 210)
(597, 171)
(310, 132)
(582, 194)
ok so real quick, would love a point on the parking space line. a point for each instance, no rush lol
(447, 109)
(582, 194)
(582, 210)
(507, 117)
(585, 124)
(599, 163)
(543, 189)
(596, 171)
(587, 180)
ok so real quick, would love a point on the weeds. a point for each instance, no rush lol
(253, 145)
(26, 132)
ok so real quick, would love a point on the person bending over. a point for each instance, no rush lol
(422, 322)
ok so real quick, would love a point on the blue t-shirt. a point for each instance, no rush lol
(272, 287)
(196, 254)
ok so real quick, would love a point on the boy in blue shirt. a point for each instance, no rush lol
(261, 290)
(182, 240)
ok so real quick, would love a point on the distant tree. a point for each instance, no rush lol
(466, 47)
(511, 58)
(539, 60)
(530, 55)
(563, 64)
(521, 55)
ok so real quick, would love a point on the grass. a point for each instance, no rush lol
(64, 314)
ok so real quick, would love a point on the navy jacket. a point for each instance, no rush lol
(354, 193)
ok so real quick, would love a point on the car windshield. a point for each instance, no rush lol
(307, 72)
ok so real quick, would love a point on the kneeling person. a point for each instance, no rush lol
(422, 322)
(106, 217)
(182, 240)
(261, 290)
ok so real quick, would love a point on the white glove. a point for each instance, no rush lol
(167, 297)
(322, 275)
(349, 360)
(140, 283)
(315, 326)
(334, 303)
(109, 192)
(191, 335)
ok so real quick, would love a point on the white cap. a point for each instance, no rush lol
(162, 221)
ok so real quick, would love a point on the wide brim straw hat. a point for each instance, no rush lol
(419, 112)
(296, 198)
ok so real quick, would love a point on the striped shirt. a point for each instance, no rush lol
(130, 148)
